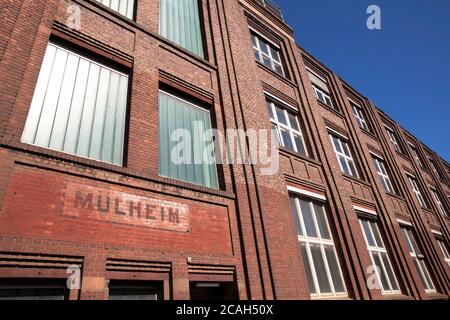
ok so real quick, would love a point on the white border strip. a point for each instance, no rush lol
(337, 133)
(376, 155)
(307, 193)
(264, 37)
(365, 210)
(314, 73)
(404, 222)
(271, 96)
(436, 232)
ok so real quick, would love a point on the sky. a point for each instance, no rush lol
(404, 68)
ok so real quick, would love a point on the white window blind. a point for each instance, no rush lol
(124, 7)
(78, 107)
(179, 22)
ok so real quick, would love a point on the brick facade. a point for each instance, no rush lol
(174, 232)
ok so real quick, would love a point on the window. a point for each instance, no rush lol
(393, 138)
(287, 126)
(179, 22)
(344, 156)
(321, 89)
(383, 174)
(438, 201)
(435, 169)
(124, 7)
(134, 290)
(78, 107)
(418, 258)
(379, 257)
(415, 154)
(444, 249)
(416, 191)
(267, 53)
(33, 289)
(359, 115)
(322, 267)
(186, 150)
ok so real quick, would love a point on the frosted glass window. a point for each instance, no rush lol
(179, 22)
(186, 151)
(78, 107)
(124, 7)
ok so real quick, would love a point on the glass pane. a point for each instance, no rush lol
(275, 54)
(278, 69)
(352, 168)
(257, 56)
(281, 116)
(287, 139)
(389, 271)
(309, 276)
(275, 132)
(293, 121)
(426, 274)
(366, 229)
(322, 222)
(295, 216)
(266, 61)
(413, 241)
(319, 266)
(383, 276)
(344, 166)
(254, 41)
(346, 149)
(405, 237)
(337, 145)
(264, 46)
(308, 219)
(376, 233)
(334, 269)
(300, 145)
(420, 273)
(269, 108)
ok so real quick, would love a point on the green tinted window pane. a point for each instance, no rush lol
(309, 276)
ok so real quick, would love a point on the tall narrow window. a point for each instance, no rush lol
(287, 126)
(78, 107)
(393, 139)
(380, 260)
(444, 250)
(344, 155)
(321, 89)
(124, 7)
(267, 53)
(435, 169)
(418, 258)
(322, 266)
(417, 192)
(438, 201)
(186, 149)
(360, 117)
(383, 174)
(179, 22)
(416, 156)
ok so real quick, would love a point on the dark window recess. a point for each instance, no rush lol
(33, 289)
(135, 290)
(213, 291)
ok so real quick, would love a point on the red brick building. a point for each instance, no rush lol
(91, 89)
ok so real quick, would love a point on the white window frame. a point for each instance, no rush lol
(270, 47)
(444, 250)
(437, 199)
(419, 257)
(416, 190)
(323, 97)
(359, 115)
(281, 126)
(393, 137)
(318, 241)
(415, 153)
(383, 173)
(347, 158)
(379, 250)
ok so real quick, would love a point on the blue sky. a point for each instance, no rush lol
(404, 68)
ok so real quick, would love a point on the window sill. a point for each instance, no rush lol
(402, 155)
(398, 197)
(397, 296)
(370, 134)
(280, 77)
(345, 175)
(298, 155)
(334, 111)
